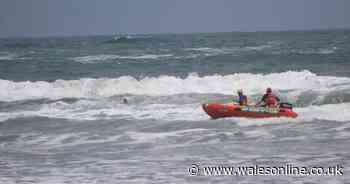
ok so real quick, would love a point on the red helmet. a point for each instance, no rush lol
(268, 90)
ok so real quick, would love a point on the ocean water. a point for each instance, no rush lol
(62, 119)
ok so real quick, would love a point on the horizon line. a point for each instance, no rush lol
(173, 33)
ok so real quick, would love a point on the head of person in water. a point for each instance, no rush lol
(240, 92)
(268, 90)
(125, 101)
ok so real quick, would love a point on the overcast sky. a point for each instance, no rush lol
(90, 17)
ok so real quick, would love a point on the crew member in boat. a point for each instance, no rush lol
(269, 99)
(242, 99)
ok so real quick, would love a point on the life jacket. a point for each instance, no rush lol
(242, 100)
(271, 100)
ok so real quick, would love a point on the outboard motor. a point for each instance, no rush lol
(286, 105)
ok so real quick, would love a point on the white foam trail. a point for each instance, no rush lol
(104, 57)
(328, 112)
(207, 49)
(227, 50)
(91, 59)
(7, 56)
(309, 51)
(95, 110)
(148, 56)
(257, 48)
(189, 56)
(331, 112)
(207, 52)
(171, 85)
(327, 51)
(314, 51)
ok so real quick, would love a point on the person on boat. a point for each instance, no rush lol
(242, 99)
(269, 99)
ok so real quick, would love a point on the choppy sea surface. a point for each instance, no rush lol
(63, 120)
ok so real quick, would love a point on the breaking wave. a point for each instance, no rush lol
(293, 82)
(114, 109)
(172, 98)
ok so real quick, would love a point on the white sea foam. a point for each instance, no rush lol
(328, 112)
(95, 106)
(294, 81)
(207, 51)
(331, 112)
(87, 110)
(314, 51)
(7, 56)
(307, 51)
(84, 110)
(257, 48)
(105, 57)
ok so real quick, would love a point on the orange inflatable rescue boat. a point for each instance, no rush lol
(217, 110)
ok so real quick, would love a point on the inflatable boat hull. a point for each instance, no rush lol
(216, 110)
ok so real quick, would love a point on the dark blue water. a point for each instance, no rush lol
(47, 59)
(63, 119)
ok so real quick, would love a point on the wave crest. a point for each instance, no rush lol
(292, 81)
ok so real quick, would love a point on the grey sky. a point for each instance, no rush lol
(87, 17)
